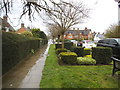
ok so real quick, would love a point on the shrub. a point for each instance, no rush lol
(68, 57)
(59, 50)
(86, 61)
(102, 55)
(78, 50)
(27, 33)
(87, 51)
(58, 46)
(88, 56)
(67, 45)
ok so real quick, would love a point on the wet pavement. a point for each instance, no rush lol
(28, 73)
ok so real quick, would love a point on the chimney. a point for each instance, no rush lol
(73, 28)
(22, 25)
(85, 28)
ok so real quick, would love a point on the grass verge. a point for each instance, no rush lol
(56, 76)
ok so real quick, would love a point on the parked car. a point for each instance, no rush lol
(114, 43)
(86, 44)
(74, 41)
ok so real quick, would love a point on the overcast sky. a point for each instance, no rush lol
(103, 14)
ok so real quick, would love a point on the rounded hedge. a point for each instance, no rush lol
(86, 61)
(102, 55)
(68, 57)
(59, 50)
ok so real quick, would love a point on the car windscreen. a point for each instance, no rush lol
(118, 40)
(89, 42)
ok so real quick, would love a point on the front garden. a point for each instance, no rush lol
(57, 75)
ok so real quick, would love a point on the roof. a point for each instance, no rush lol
(21, 30)
(5, 24)
(76, 32)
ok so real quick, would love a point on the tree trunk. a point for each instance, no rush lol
(58, 39)
(62, 40)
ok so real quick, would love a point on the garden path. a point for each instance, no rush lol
(28, 73)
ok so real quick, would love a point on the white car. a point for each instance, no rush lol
(87, 44)
(74, 42)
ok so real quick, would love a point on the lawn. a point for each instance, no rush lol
(56, 76)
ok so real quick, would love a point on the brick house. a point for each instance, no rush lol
(79, 34)
(5, 26)
(22, 29)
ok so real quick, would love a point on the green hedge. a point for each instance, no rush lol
(68, 57)
(59, 50)
(16, 47)
(86, 61)
(67, 45)
(78, 50)
(87, 51)
(102, 55)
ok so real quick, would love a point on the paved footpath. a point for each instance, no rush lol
(28, 73)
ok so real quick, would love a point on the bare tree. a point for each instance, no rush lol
(113, 31)
(66, 15)
(54, 31)
(30, 7)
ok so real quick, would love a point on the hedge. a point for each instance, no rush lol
(15, 47)
(78, 50)
(102, 55)
(67, 45)
(68, 57)
(87, 51)
(59, 50)
(86, 61)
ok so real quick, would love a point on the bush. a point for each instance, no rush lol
(59, 50)
(86, 61)
(88, 56)
(27, 33)
(68, 57)
(87, 51)
(102, 55)
(78, 50)
(67, 45)
(15, 47)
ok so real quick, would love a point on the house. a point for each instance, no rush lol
(4, 25)
(79, 34)
(98, 37)
(22, 29)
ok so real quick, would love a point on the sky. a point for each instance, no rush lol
(103, 14)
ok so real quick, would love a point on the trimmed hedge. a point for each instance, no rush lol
(102, 55)
(59, 50)
(86, 61)
(68, 57)
(87, 51)
(78, 50)
(15, 47)
(67, 45)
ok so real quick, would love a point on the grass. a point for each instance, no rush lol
(56, 76)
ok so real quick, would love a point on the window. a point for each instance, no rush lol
(112, 41)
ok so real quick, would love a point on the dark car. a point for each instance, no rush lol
(114, 43)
